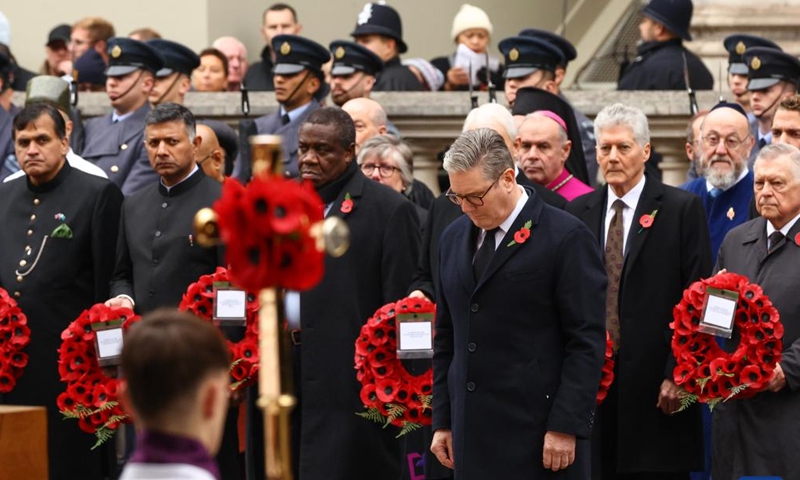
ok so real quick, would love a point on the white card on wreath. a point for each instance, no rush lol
(230, 304)
(415, 336)
(109, 343)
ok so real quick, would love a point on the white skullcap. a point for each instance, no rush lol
(470, 17)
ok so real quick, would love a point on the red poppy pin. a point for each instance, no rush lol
(521, 235)
(797, 239)
(347, 204)
(646, 221)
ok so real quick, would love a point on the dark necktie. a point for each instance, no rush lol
(774, 239)
(285, 119)
(613, 258)
(762, 142)
(485, 253)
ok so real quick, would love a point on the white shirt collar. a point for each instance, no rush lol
(630, 199)
(116, 117)
(744, 173)
(195, 169)
(296, 112)
(507, 223)
(785, 229)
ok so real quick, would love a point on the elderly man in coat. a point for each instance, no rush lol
(515, 382)
(758, 436)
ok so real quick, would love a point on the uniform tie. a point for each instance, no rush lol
(613, 258)
(285, 119)
(715, 192)
(484, 255)
(774, 239)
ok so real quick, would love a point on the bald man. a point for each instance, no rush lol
(236, 53)
(369, 118)
(210, 155)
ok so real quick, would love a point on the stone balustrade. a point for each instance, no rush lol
(429, 122)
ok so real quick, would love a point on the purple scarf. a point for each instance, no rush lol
(162, 448)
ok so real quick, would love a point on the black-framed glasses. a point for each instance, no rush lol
(383, 169)
(474, 200)
(731, 142)
(200, 162)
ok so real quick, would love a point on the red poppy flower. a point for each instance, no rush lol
(347, 205)
(386, 389)
(753, 376)
(7, 381)
(646, 221)
(682, 373)
(18, 359)
(368, 395)
(383, 371)
(522, 235)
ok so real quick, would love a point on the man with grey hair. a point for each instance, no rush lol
(495, 370)
(236, 53)
(726, 184)
(766, 250)
(656, 243)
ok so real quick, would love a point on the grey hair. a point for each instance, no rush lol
(777, 150)
(172, 112)
(494, 113)
(482, 147)
(562, 134)
(624, 116)
(391, 148)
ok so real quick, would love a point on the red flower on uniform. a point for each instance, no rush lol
(646, 221)
(522, 235)
(347, 204)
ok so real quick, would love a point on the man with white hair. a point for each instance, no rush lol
(542, 151)
(656, 243)
(726, 184)
(766, 251)
(236, 53)
(443, 211)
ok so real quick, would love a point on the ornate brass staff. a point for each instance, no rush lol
(276, 376)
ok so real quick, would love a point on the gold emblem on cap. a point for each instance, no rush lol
(513, 55)
(286, 49)
(116, 51)
(740, 48)
(339, 53)
(755, 63)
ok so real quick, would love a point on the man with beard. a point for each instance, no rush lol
(772, 77)
(726, 185)
(693, 148)
(335, 444)
(354, 70)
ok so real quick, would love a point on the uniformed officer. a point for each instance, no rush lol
(530, 62)
(585, 126)
(380, 29)
(55, 91)
(299, 84)
(737, 69)
(59, 237)
(662, 62)
(114, 141)
(89, 72)
(8, 161)
(174, 80)
(354, 71)
(772, 76)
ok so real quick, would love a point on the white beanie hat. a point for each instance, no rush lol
(5, 31)
(470, 17)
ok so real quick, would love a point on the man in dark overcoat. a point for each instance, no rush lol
(58, 239)
(758, 436)
(656, 243)
(515, 382)
(384, 244)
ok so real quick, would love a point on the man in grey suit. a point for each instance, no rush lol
(299, 86)
(751, 436)
(115, 142)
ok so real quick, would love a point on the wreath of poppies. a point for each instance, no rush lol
(91, 396)
(705, 372)
(607, 377)
(267, 229)
(199, 300)
(14, 337)
(392, 395)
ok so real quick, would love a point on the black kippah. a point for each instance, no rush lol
(733, 106)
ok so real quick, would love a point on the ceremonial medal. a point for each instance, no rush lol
(730, 214)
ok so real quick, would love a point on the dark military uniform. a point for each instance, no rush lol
(659, 66)
(54, 280)
(259, 74)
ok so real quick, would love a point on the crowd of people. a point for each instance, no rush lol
(538, 249)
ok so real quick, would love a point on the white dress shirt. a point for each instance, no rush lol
(631, 201)
(506, 225)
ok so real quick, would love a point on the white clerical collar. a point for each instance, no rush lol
(785, 229)
(630, 199)
(195, 169)
(744, 173)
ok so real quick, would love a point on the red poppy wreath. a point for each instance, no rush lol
(705, 372)
(91, 396)
(199, 300)
(392, 395)
(14, 337)
(266, 227)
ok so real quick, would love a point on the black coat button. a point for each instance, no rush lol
(474, 307)
(470, 386)
(472, 347)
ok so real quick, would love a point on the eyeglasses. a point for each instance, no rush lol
(474, 200)
(383, 170)
(200, 162)
(731, 143)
